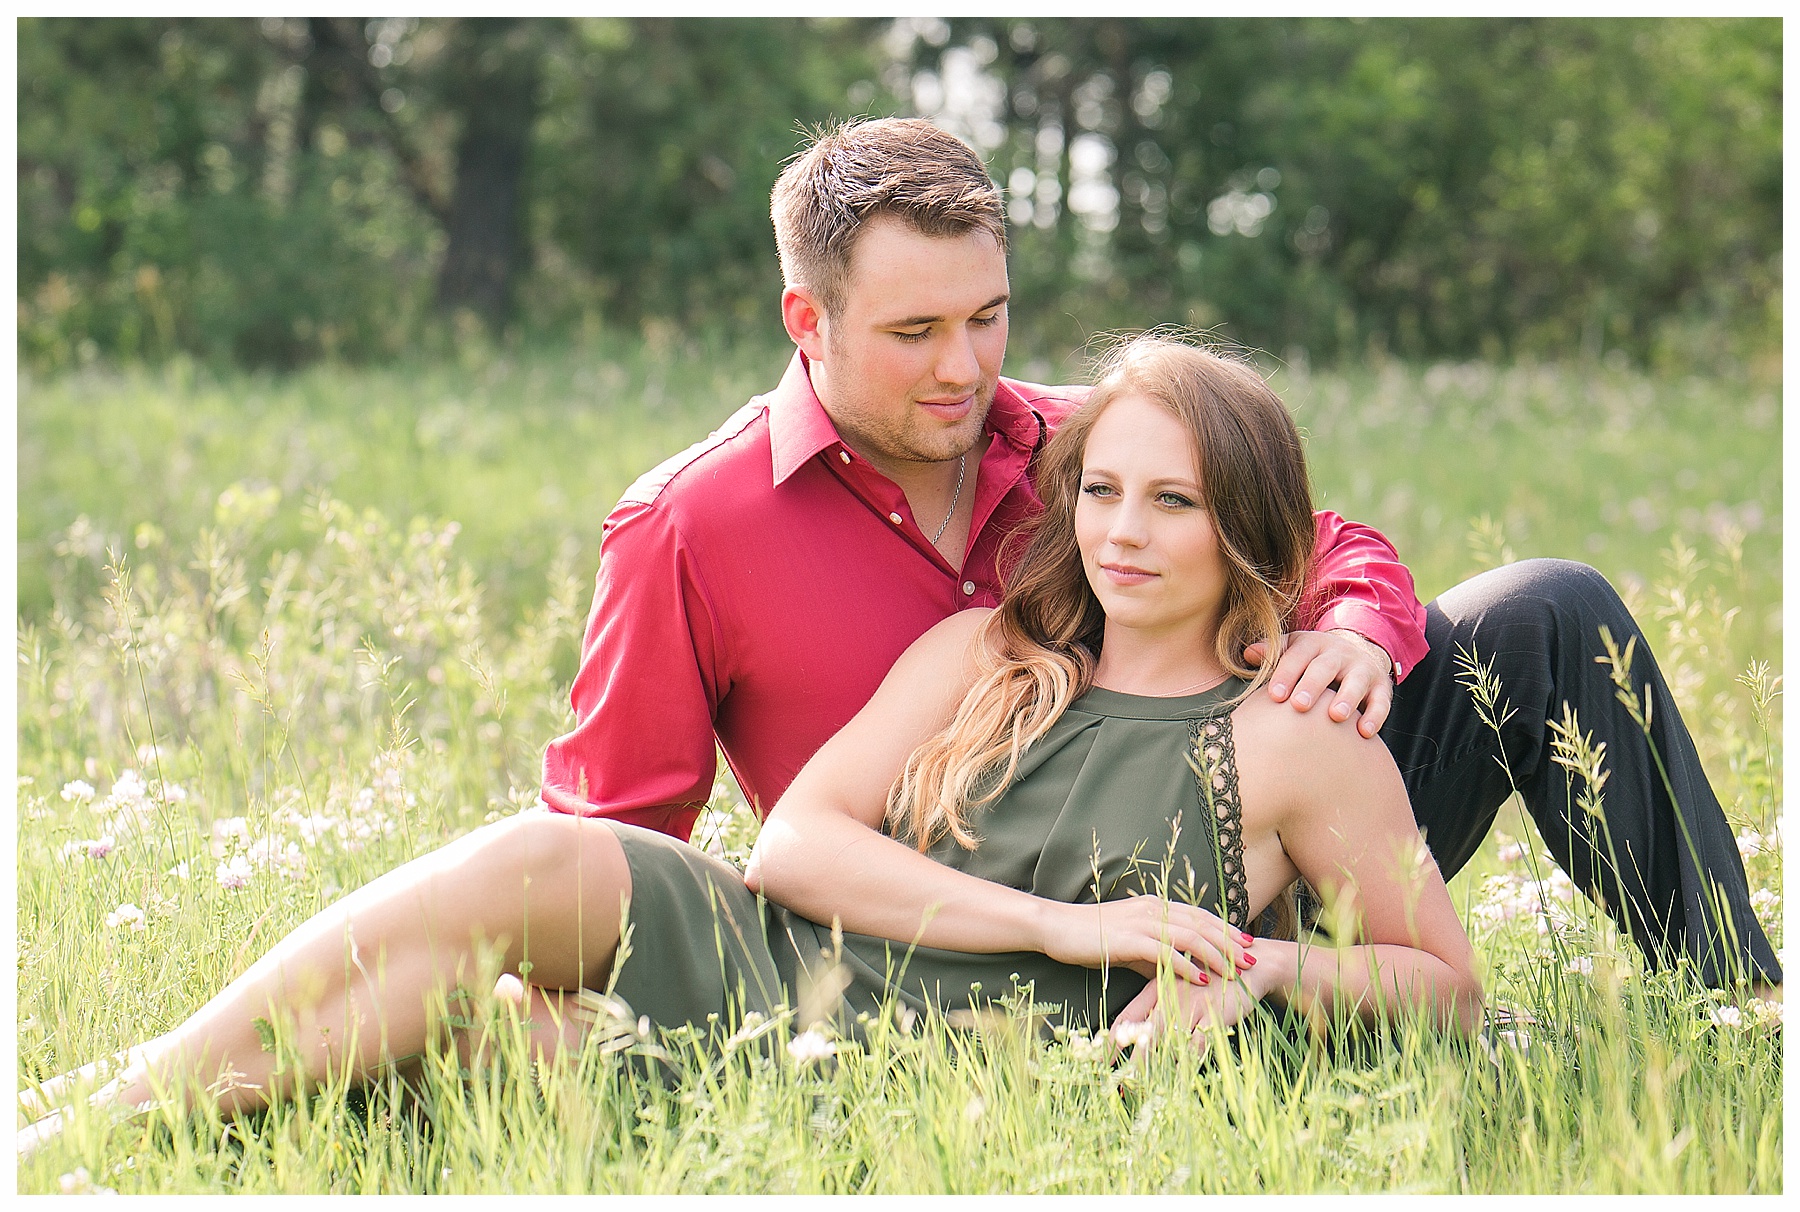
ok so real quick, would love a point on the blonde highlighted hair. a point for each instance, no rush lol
(1038, 649)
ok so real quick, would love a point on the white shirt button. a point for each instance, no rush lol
(894, 518)
(969, 588)
(844, 455)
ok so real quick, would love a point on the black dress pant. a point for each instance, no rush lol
(1671, 876)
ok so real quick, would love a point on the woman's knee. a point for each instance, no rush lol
(568, 848)
(555, 852)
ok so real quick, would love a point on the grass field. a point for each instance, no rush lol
(278, 635)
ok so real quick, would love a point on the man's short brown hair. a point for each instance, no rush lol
(857, 171)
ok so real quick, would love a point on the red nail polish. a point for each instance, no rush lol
(1249, 960)
(1205, 979)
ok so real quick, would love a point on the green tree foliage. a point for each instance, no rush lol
(660, 144)
(272, 191)
(1438, 186)
(167, 202)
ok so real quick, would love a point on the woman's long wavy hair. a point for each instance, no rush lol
(1038, 650)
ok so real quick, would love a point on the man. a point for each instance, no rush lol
(757, 587)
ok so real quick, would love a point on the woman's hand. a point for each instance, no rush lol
(1143, 932)
(1164, 1005)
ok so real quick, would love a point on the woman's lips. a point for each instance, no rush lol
(1125, 574)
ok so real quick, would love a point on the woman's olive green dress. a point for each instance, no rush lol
(1124, 796)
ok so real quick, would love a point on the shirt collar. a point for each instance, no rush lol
(799, 426)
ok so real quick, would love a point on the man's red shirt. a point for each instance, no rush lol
(758, 586)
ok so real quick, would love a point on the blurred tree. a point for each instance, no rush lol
(1438, 187)
(274, 190)
(660, 144)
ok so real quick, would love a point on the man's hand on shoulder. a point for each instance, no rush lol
(1313, 663)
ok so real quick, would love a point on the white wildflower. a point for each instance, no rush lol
(174, 793)
(78, 792)
(754, 1025)
(100, 847)
(1130, 1035)
(268, 852)
(129, 790)
(149, 755)
(1511, 852)
(1765, 1012)
(1090, 1047)
(1749, 843)
(235, 874)
(1581, 965)
(229, 834)
(126, 914)
(810, 1046)
(179, 870)
(509, 988)
(1764, 899)
(976, 1108)
(1727, 1016)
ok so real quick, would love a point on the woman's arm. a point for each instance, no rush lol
(821, 852)
(1343, 819)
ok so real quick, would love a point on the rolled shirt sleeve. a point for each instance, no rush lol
(642, 749)
(1360, 585)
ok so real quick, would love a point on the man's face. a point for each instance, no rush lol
(907, 367)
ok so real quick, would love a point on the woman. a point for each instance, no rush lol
(1061, 797)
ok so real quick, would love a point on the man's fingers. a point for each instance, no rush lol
(1353, 691)
(1381, 700)
(1295, 658)
(1315, 682)
(1254, 654)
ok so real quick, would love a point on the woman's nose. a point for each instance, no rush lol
(1127, 528)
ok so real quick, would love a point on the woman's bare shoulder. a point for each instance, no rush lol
(953, 642)
(1295, 756)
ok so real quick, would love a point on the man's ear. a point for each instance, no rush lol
(805, 321)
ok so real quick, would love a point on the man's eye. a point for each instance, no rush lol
(914, 337)
(988, 321)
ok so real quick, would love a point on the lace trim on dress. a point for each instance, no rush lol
(1216, 772)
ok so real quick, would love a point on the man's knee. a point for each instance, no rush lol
(1543, 592)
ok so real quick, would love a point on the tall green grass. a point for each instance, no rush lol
(274, 696)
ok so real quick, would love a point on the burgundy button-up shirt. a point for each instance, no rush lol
(758, 586)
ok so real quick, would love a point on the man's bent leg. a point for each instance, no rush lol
(1674, 881)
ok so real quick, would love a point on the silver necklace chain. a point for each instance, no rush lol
(961, 465)
(1197, 687)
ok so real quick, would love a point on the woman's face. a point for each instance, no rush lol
(1147, 543)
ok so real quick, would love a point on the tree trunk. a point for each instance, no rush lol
(497, 102)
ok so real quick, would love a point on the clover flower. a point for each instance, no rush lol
(76, 791)
(234, 874)
(809, 1046)
(126, 914)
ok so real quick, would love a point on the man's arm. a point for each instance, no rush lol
(642, 747)
(1361, 627)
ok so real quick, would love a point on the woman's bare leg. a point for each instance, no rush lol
(356, 983)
